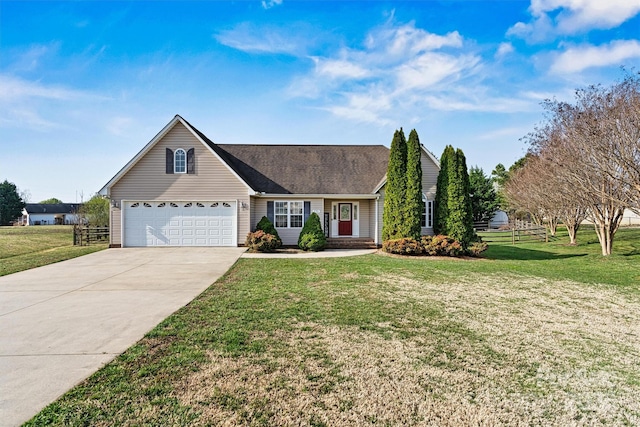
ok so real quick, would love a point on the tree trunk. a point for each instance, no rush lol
(553, 225)
(572, 229)
(606, 226)
(572, 219)
(605, 237)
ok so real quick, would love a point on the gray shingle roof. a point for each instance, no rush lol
(308, 169)
(55, 208)
(305, 169)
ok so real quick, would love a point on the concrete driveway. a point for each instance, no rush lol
(61, 322)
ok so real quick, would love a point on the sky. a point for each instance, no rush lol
(84, 85)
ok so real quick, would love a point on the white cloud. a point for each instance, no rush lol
(504, 49)
(409, 40)
(339, 68)
(16, 89)
(576, 59)
(248, 38)
(271, 3)
(455, 102)
(399, 72)
(431, 68)
(402, 73)
(22, 99)
(567, 17)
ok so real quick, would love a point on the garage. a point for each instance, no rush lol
(175, 223)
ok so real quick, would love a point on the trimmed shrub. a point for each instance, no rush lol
(428, 245)
(405, 246)
(476, 248)
(260, 241)
(267, 226)
(441, 246)
(312, 237)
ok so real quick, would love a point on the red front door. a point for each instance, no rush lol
(345, 219)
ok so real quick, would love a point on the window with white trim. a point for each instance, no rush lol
(288, 214)
(180, 161)
(427, 214)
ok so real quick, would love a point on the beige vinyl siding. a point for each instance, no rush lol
(148, 180)
(429, 180)
(372, 218)
(289, 236)
(255, 215)
(115, 226)
(364, 218)
(327, 208)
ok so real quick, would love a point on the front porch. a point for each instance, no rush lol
(351, 243)
(352, 220)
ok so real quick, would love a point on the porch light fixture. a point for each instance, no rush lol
(114, 203)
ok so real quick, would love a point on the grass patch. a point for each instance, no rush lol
(380, 340)
(22, 248)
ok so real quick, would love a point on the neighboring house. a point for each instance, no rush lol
(182, 189)
(49, 214)
(629, 218)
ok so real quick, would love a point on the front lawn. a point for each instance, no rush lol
(22, 248)
(537, 334)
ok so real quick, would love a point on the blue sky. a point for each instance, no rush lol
(85, 85)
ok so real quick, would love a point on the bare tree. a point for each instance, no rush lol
(540, 189)
(623, 124)
(584, 142)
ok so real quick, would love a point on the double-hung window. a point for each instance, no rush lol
(427, 214)
(288, 214)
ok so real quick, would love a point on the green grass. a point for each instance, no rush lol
(583, 262)
(22, 248)
(535, 334)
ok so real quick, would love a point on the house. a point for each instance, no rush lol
(182, 189)
(629, 219)
(49, 214)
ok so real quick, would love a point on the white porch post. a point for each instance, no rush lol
(377, 237)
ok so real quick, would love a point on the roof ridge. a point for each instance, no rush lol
(304, 145)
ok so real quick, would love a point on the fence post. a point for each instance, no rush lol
(513, 236)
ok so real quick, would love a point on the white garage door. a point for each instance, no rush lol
(180, 223)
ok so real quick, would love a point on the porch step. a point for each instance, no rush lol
(350, 243)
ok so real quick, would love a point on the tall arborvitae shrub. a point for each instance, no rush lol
(396, 188)
(459, 221)
(414, 205)
(441, 211)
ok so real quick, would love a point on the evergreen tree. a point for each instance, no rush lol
(459, 221)
(414, 205)
(441, 211)
(312, 237)
(11, 204)
(484, 200)
(396, 188)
